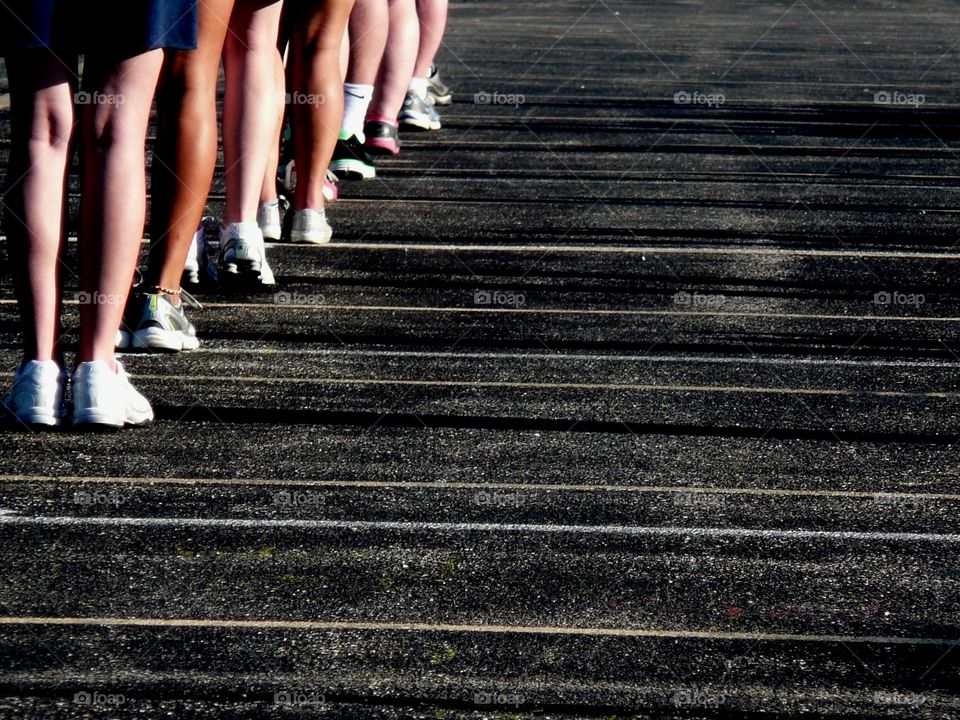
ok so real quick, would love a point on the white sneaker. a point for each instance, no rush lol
(241, 248)
(104, 397)
(191, 267)
(266, 272)
(268, 219)
(310, 226)
(36, 397)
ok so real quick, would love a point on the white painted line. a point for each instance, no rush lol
(643, 250)
(519, 487)
(340, 625)
(575, 357)
(627, 249)
(570, 312)
(260, 380)
(532, 528)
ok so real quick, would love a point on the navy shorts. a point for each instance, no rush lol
(115, 27)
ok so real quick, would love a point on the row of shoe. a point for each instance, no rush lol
(353, 157)
(102, 396)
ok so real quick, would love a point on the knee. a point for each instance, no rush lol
(110, 128)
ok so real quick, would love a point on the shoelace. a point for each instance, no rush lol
(190, 299)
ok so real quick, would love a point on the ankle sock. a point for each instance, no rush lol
(356, 101)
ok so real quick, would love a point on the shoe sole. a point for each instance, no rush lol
(169, 340)
(309, 239)
(96, 420)
(353, 170)
(37, 417)
(271, 233)
(382, 146)
(440, 99)
(424, 125)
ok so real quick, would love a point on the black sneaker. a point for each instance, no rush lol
(351, 161)
(382, 138)
(438, 93)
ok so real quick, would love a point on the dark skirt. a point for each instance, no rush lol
(121, 28)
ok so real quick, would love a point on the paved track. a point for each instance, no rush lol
(685, 462)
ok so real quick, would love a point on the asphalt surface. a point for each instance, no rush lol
(631, 393)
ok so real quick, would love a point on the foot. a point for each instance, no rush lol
(163, 326)
(268, 220)
(381, 137)
(310, 226)
(438, 93)
(418, 114)
(243, 257)
(192, 265)
(36, 397)
(331, 187)
(351, 161)
(104, 397)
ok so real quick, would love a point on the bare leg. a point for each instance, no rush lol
(268, 190)
(186, 150)
(433, 23)
(317, 94)
(114, 194)
(369, 25)
(41, 91)
(399, 59)
(250, 105)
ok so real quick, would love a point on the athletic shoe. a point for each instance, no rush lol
(381, 138)
(104, 397)
(268, 220)
(241, 251)
(163, 325)
(418, 114)
(36, 397)
(438, 93)
(266, 272)
(193, 263)
(199, 266)
(310, 226)
(351, 161)
(331, 187)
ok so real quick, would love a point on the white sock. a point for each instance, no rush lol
(419, 86)
(356, 100)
